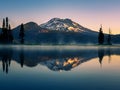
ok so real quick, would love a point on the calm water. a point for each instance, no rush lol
(59, 68)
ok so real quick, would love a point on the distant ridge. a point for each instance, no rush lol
(59, 31)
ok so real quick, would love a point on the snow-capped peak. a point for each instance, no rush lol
(62, 25)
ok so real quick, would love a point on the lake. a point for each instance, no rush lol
(59, 67)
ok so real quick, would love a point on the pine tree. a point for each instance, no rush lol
(101, 36)
(109, 38)
(10, 36)
(21, 34)
(3, 28)
(7, 24)
(6, 36)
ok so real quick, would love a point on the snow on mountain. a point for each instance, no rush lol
(58, 31)
(44, 34)
(62, 64)
(64, 25)
(35, 34)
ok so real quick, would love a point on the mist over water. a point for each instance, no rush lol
(59, 67)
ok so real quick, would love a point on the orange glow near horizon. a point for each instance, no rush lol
(88, 13)
(89, 19)
(91, 24)
(112, 63)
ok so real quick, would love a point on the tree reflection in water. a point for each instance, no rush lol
(6, 56)
(55, 60)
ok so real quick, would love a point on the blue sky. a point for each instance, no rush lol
(89, 13)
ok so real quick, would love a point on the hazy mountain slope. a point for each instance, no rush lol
(59, 31)
(31, 31)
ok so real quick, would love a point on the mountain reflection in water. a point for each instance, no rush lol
(54, 59)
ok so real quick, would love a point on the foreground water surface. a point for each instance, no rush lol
(59, 68)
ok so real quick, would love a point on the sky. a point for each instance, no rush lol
(88, 13)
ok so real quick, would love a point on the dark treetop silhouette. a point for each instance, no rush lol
(6, 36)
(49, 33)
(21, 34)
(101, 36)
(109, 38)
(54, 59)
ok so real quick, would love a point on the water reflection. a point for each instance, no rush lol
(54, 59)
(6, 57)
(21, 55)
(109, 54)
(100, 55)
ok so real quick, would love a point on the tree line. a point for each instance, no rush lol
(6, 35)
(101, 37)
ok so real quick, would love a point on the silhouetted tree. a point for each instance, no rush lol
(10, 35)
(21, 34)
(3, 26)
(109, 38)
(6, 35)
(1, 35)
(101, 36)
(7, 23)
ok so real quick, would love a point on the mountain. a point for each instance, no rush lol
(30, 26)
(32, 30)
(70, 31)
(65, 25)
(116, 39)
(35, 34)
(59, 31)
(56, 59)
